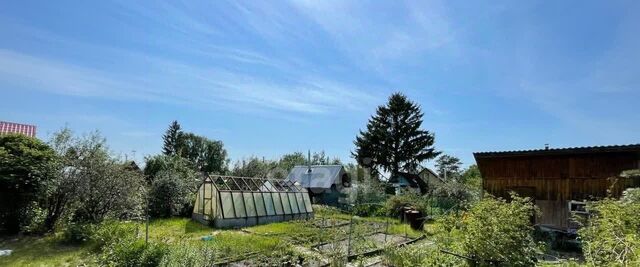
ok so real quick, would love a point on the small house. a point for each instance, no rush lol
(419, 183)
(325, 183)
(560, 180)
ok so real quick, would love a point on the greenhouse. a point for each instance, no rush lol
(226, 202)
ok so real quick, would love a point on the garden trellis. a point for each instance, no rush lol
(227, 201)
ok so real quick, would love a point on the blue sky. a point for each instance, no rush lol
(269, 78)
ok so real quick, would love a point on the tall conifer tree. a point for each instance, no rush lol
(394, 141)
(170, 139)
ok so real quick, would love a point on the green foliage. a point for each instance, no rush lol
(131, 252)
(253, 167)
(173, 187)
(90, 184)
(206, 155)
(449, 167)
(453, 193)
(182, 168)
(419, 255)
(77, 233)
(109, 232)
(394, 204)
(288, 161)
(171, 196)
(26, 168)
(368, 210)
(203, 154)
(472, 177)
(107, 189)
(170, 139)
(394, 140)
(611, 235)
(368, 197)
(495, 230)
(199, 254)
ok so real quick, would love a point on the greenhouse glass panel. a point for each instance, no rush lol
(268, 203)
(207, 190)
(238, 205)
(294, 204)
(277, 203)
(207, 207)
(227, 205)
(260, 209)
(301, 204)
(285, 203)
(198, 207)
(307, 202)
(249, 203)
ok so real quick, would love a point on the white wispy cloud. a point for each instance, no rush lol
(180, 83)
(371, 38)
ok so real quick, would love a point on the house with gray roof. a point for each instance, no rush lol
(325, 183)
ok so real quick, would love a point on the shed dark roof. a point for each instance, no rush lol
(560, 151)
(321, 176)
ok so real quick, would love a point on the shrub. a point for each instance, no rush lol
(611, 236)
(394, 204)
(110, 232)
(495, 230)
(26, 170)
(326, 210)
(419, 255)
(77, 233)
(367, 210)
(133, 252)
(201, 254)
(168, 196)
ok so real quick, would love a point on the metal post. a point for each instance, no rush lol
(405, 224)
(349, 242)
(386, 231)
(146, 235)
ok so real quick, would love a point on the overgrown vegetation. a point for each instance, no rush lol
(611, 236)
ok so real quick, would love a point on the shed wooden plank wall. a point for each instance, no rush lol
(553, 180)
(563, 177)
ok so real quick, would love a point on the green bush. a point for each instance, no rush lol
(77, 233)
(170, 195)
(394, 204)
(495, 230)
(201, 254)
(133, 252)
(110, 232)
(368, 210)
(611, 236)
(419, 255)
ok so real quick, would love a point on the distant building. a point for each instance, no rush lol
(325, 183)
(559, 180)
(419, 183)
(11, 127)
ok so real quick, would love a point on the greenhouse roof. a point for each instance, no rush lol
(245, 184)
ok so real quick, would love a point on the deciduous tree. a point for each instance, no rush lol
(26, 170)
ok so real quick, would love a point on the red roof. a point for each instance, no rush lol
(11, 127)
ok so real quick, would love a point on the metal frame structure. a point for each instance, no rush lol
(228, 201)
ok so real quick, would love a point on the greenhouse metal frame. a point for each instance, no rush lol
(228, 201)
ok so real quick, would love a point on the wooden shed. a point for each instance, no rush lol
(559, 180)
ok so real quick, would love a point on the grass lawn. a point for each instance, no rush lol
(43, 251)
(48, 251)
